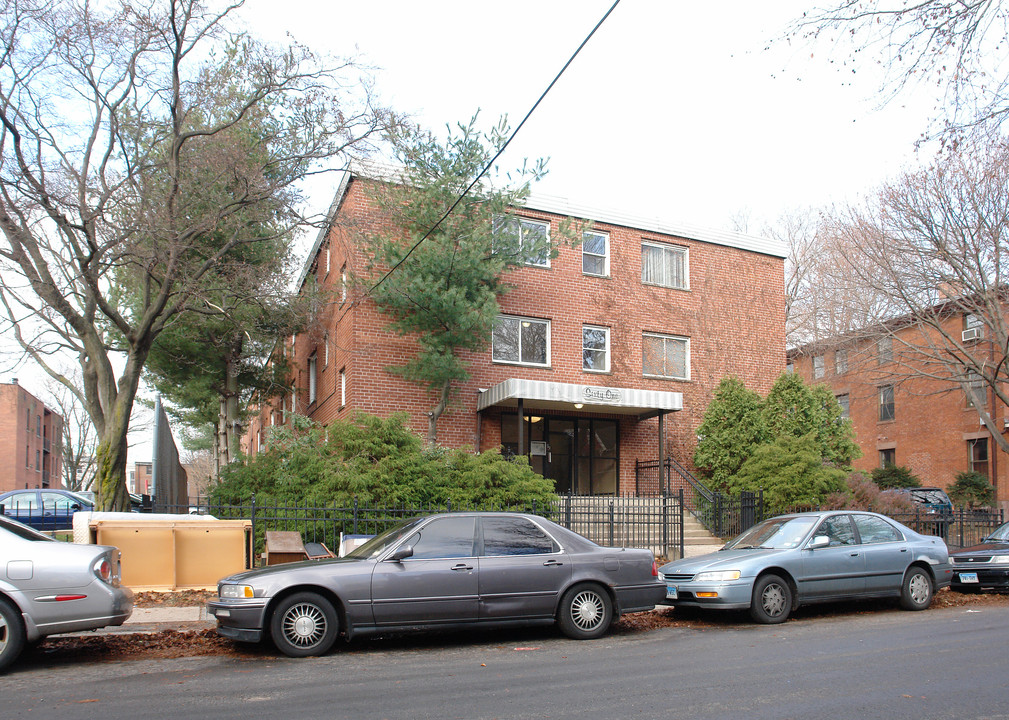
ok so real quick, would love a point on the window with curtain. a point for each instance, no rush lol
(666, 356)
(664, 265)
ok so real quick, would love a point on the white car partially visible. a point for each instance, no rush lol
(49, 587)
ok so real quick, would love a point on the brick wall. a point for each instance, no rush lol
(733, 315)
(29, 450)
(933, 424)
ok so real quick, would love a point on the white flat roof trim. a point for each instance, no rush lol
(586, 395)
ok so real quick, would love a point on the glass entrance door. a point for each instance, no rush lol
(560, 463)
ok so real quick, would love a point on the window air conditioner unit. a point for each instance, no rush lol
(974, 333)
(981, 421)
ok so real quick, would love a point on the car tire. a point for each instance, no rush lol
(771, 602)
(917, 590)
(586, 612)
(12, 634)
(304, 624)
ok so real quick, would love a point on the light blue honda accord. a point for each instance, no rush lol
(792, 560)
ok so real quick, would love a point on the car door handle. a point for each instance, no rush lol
(552, 563)
(462, 567)
(854, 554)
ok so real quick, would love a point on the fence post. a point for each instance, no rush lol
(355, 515)
(253, 518)
(613, 523)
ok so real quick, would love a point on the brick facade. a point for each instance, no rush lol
(732, 314)
(934, 430)
(31, 437)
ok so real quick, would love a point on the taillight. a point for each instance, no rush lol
(107, 571)
(655, 569)
(103, 569)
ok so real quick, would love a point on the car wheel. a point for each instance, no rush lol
(304, 624)
(916, 591)
(772, 600)
(12, 634)
(585, 612)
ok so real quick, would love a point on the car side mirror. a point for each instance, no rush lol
(402, 553)
(75, 507)
(820, 541)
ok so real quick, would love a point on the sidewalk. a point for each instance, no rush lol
(156, 619)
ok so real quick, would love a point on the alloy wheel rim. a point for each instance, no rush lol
(587, 610)
(773, 600)
(4, 634)
(919, 589)
(304, 625)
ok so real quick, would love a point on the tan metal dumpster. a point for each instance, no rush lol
(175, 552)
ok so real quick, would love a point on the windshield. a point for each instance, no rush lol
(378, 544)
(778, 533)
(1001, 533)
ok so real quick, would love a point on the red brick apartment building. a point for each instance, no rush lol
(924, 423)
(609, 353)
(30, 441)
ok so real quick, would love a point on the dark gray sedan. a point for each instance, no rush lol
(793, 560)
(440, 572)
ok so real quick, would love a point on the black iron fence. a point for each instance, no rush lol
(722, 515)
(647, 522)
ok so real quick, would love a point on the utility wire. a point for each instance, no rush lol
(498, 154)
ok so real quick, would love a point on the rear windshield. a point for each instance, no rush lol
(22, 531)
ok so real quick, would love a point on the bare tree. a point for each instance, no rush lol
(141, 146)
(78, 440)
(933, 244)
(956, 45)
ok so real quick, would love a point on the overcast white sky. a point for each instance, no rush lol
(677, 109)
(682, 110)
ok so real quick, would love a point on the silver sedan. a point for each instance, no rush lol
(441, 572)
(49, 587)
(793, 560)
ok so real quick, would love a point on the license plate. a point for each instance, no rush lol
(968, 577)
(670, 592)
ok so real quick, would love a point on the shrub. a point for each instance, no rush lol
(971, 489)
(889, 477)
(791, 472)
(862, 493)
(379, 462)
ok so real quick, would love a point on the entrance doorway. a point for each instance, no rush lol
(581, 455)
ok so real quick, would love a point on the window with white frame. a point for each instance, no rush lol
(665, 356)
(531, 238)
(595, 348)
(312, 364)
(664, 265)
(884, 349)
(343, 283)
(840, 361)
(976, 389)
(343, 387)
(818, 368)
(520, 340)
(886, 403)
(845, 402)
(325, 350)
(596, 253)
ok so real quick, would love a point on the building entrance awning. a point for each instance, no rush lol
(539, 395)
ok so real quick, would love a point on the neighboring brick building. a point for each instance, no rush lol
(31, 437)
(917, 420)
(597, 349)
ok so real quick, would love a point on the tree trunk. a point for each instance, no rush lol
(434, 415)
(110, 462)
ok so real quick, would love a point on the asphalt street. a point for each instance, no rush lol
(939, 664)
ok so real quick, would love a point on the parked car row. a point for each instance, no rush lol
(465, 570)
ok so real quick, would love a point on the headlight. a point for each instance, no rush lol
(1000, 559)
(717, 576)
(237, 591)
(662, 578)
